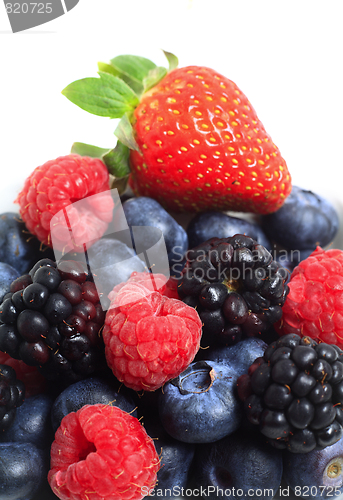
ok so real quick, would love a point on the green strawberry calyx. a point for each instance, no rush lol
(116, 94)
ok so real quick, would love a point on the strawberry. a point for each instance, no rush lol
(194, 141)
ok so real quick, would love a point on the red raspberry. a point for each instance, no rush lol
(149, 337)
(314, 305)
(101, 452)
(58, 184)
(33, 380)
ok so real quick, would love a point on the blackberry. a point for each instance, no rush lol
(12, 393)
(236, 287)
(294, 394)
(52, 318)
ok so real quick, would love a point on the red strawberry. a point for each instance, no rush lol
(202, 146)
(196, 141)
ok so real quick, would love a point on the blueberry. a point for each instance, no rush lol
(176, 459)
(7, 275)
(238, 466)
(112, 262)
(200, 405)
(144, 211)
(32, 423)
(208, 225)
(304, 221)
(89, 391)
(23, 470)
(319, 473)
(18, 247)
(239, 356)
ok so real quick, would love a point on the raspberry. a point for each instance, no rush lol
(314, 305)
(101, 452)
(149, 337)
(235, 285)
(51, 319)
(295, 394)
(57, 184)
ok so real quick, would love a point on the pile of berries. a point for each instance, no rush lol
(233, 360)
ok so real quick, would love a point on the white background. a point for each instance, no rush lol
(285, 55)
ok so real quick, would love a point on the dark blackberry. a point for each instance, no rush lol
(236, 287)
(52, 319)
(294, 394)
(12, 393)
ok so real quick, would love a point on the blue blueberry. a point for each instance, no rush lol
(317, 474)
(200, 405)
(23, 470)
(32, 423)
(176, 459)
(239, 357)
(18, 248)
(90, 391)
(112, 262)
(144, 211)
(208, 225)
(238, 466)
(7, 275)
(304, 221)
